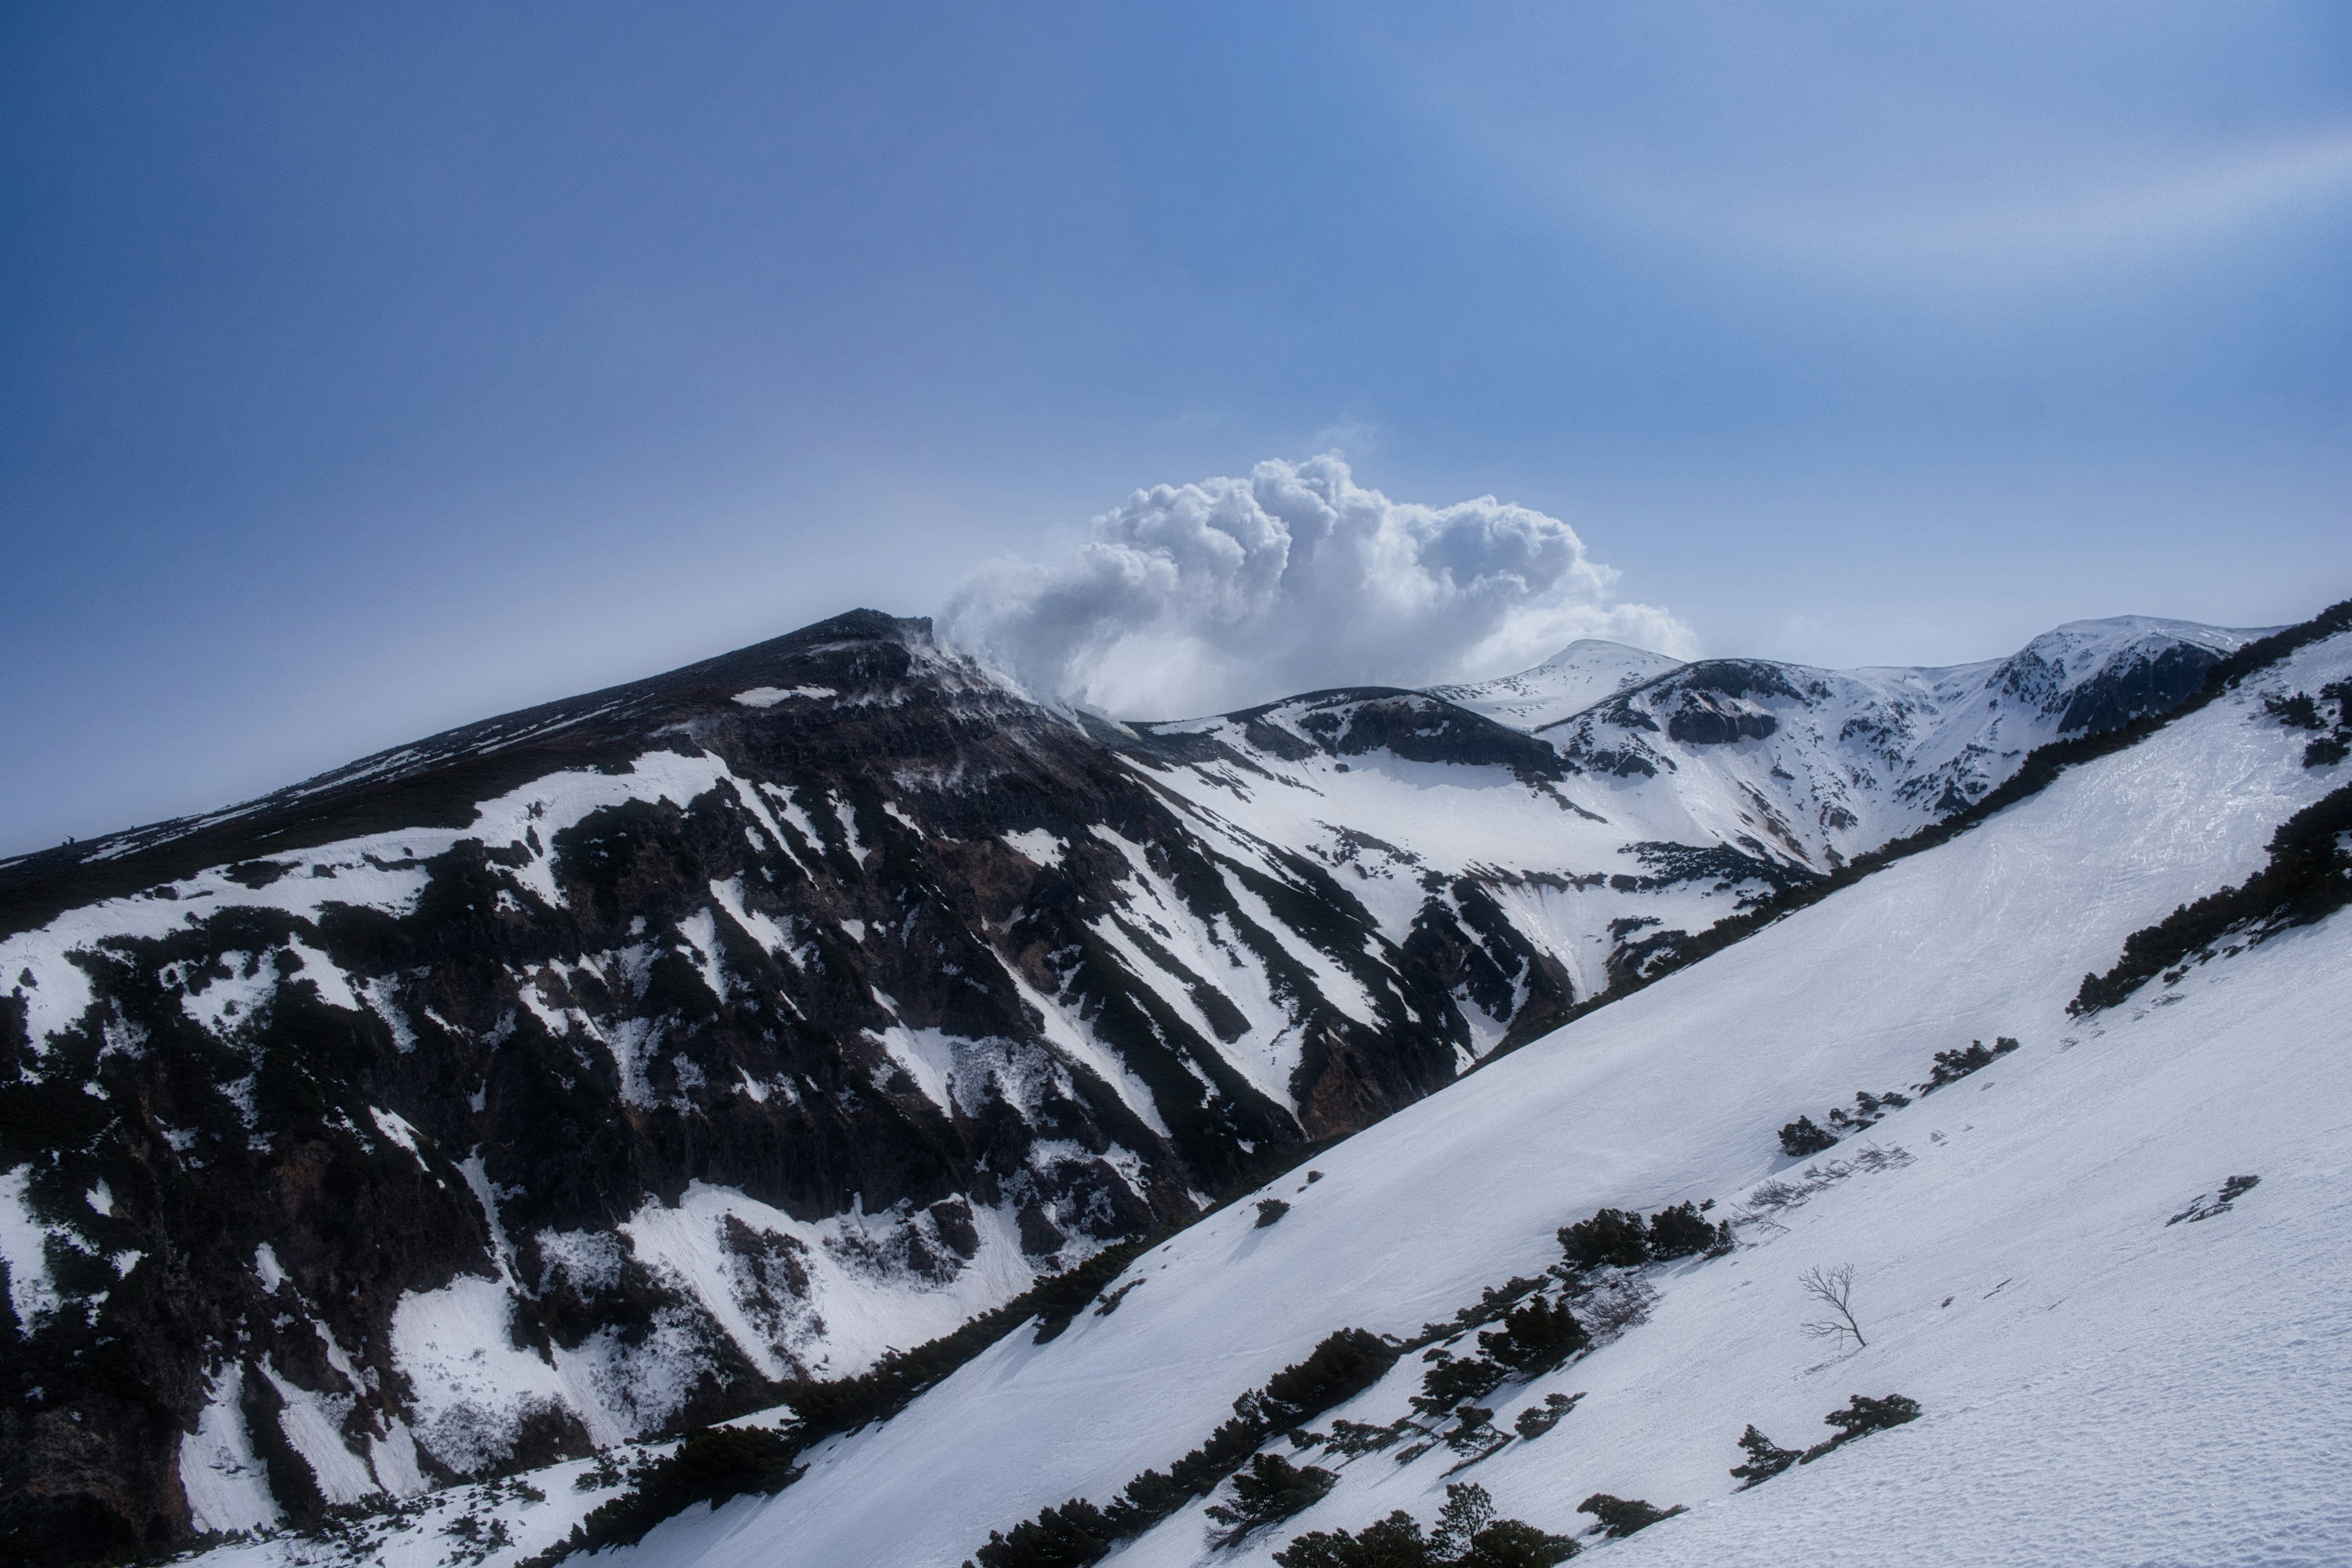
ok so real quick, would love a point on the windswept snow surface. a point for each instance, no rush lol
(2099, 1386)
(1566, 684)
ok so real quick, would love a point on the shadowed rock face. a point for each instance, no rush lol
(606, 1067)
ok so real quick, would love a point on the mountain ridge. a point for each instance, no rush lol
(726, 1019)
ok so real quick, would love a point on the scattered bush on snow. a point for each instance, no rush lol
(2205, 1207)
(1765, 1459)
(1611, 1303)
(1804, 1137)
(1451, 1381)
(1066, 1537)
(1611, 1238)
(710, 1466)
(1537, 1419)
(1953, 1065)
(2296, 712)
(1860, 1418)
(1624, 1516)
(1341, 1366)
(1468, 1535)
(1538, 1336)
(1679, 1232)
(1269, 1210)
(1272, 1488)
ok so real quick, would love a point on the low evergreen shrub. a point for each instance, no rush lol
(1953, 1065)
(1679, 1232)
(710, 1466)
(1537, 1419)
(1539, 1336)
(1466, 1535)
(1395, 1541)
(1451, 1381)
(1804, 1136)
(1270, 1489)
(1624, 1516)
(1269, 1210)
(1610, 1238)
(1070, 1536)
(1342, 1367)
(1860, 1418)
(1765, 1459)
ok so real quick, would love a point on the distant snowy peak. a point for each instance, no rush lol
(1828, 763)
(1586, 671)
(2094, 675)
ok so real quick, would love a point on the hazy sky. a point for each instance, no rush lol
(368, 369)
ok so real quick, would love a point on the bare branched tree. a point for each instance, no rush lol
(1834, 1288)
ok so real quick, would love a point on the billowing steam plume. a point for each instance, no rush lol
(1204, 597)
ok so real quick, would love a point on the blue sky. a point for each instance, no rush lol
(368, 369)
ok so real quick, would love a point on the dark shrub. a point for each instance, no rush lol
(1449, 1382)
(1147, 1499)
(710, 1466)
(1514, 1544)
(2296, 712)
(1395, 1541)
(1611, 1237)
(1862, 1416)
(1764, 1459)
(1537, 1419)
(1271, 1489)
(1804, 1136)
(1344, 1365)
(1269, 1210)
(1537, 1337)
(1953, 1065)
(1679, 1232)
(1070, 1536)
(1622, 1516)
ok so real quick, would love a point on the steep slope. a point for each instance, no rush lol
(625, 1063)
(2017, 1269)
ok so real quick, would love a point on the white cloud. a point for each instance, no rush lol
(1208, 597)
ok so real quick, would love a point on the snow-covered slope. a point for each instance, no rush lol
(1584, 672)
(2099, 1386)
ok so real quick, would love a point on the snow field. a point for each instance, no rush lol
(2054, 1166)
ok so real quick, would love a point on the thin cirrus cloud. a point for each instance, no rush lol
(1205, 596)
(2025, 238)
(1998, 146)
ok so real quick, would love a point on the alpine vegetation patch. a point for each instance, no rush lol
(1625, 1516)
(2205, 1205)
(1341, 1366)
(1466, 1535)
(1269, 1490)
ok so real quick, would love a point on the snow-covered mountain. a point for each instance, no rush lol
(621, 1065)
(2100, 1383)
